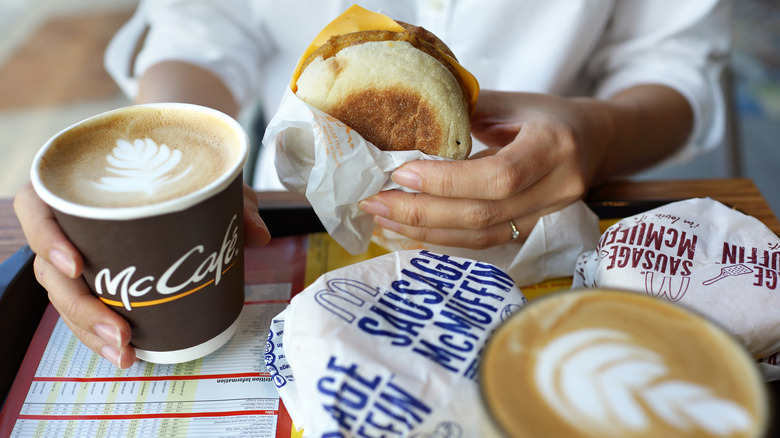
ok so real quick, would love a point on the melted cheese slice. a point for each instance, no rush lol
(357, 19)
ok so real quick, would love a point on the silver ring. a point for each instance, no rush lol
(515, 233)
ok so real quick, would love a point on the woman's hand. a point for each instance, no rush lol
(58, 267)
(545, 152)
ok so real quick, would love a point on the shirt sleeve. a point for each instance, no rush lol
(219, 36)
(682, 44)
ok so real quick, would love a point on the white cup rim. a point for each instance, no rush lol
(149, 210)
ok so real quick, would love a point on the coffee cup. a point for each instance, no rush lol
(599, 363)
(152, 197)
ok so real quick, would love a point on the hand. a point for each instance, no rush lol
(536, 164)
(545, 152)
(58, 266)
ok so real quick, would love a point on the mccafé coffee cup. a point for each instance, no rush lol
(151, 195)
(601, 363)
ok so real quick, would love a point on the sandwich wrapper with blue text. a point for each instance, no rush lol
(390, 346)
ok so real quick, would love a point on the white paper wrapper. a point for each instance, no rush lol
(333, 166)
(551, 250)
(703, 255)
(336, 168)
(392, 341)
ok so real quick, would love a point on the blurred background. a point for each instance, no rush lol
(51, 76)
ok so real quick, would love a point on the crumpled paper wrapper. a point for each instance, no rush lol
(551, 250)
(393, 342)
(336, 168)
(703, 255)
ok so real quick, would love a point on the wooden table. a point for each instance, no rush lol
(741, 194)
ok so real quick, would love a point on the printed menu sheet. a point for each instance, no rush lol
(77, 393)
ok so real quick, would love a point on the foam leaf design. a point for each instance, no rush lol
(141, 166)
(687, 406)
(597, 378)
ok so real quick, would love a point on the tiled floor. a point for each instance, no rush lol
(29, 29)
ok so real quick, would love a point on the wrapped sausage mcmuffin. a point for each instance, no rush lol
(370, 94)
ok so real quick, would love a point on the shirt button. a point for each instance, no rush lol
(436, 4)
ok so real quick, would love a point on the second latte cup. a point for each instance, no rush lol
(598, 363)
(151, 195)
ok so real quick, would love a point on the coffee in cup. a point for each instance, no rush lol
(152, 197)
(601, 363)
(138, 156)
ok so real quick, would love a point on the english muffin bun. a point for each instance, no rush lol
(399, 90)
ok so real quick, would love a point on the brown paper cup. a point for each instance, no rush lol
(173, 269)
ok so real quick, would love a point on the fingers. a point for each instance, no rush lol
(58, 267)
(460, 222)
(475, 239)
(535, 152)
(485, 178)
(423, 210)
(255, 231)
(44, 234)
(96, 325)
(471, 223)
(470, 203)
(482, 238)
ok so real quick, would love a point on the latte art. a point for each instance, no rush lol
(139, 156)
(605, 380)
(601, 363)
(141, 167)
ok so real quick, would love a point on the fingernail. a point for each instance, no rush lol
(387, 223)
(374, 207)
(407, 178)
(63, 263)
(109, 333)
(111, 354)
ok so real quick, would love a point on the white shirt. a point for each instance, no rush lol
(565, 47)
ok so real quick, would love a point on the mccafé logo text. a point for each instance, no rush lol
(212, 267)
